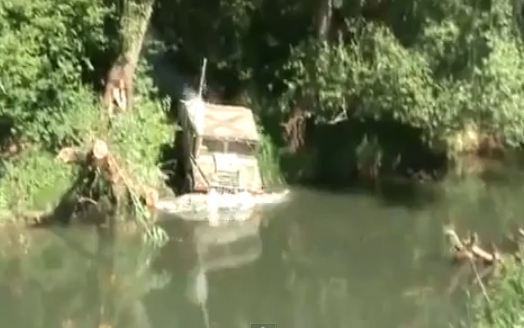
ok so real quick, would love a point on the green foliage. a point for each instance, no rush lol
(506, 300)
(33, 180)
(245, 41)
(498, 91)
(135, 140)
(46, 54)
(440, 66)
(268, 161)
(465, 69)
(137, 136)
(225, 22)
(43, 47)
(376, 77)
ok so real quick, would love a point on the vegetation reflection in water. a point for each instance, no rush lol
(76, 278)
(321, 259)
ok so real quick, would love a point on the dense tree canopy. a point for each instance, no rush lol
(43, 58)
(443, 66)
(450, 69)
(55, 60)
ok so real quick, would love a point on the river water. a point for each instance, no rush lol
(320, 259)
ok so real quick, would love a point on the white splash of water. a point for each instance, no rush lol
(214, 203)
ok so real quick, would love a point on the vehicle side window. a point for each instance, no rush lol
(242, 148)
(213, 145)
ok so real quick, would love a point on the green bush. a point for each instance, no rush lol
(34, 180)
(268, 161)
(441, 66)
(136, 137)
(44, 49)
(47, 57)
(463, 69)
(505, 306)
(135, 140)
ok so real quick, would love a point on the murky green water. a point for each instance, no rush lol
(320, 260)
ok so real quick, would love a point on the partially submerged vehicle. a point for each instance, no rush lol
(217, 149)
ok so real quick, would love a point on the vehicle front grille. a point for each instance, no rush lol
(229, 179)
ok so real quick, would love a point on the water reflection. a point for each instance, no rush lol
(297, 272)
(319, 260)
(75, 278)
(199, 251)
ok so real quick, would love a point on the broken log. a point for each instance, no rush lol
(469, 248)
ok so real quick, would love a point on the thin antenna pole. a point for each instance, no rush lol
(202, 78)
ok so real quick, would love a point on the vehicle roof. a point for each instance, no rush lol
(229, 123)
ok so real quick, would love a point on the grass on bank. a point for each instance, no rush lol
(268, 161)
(504, 305)
(35, 180)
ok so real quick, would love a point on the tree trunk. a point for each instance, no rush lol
(324, 17)
(295, 127)
(136, 15)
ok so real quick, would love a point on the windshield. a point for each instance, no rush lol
(232, 147)
(213, 145)
(242, 148)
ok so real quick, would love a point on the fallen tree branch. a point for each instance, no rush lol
(469, 249)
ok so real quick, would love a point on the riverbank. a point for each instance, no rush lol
(108, 162)
(50, 163)
(41, 185)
